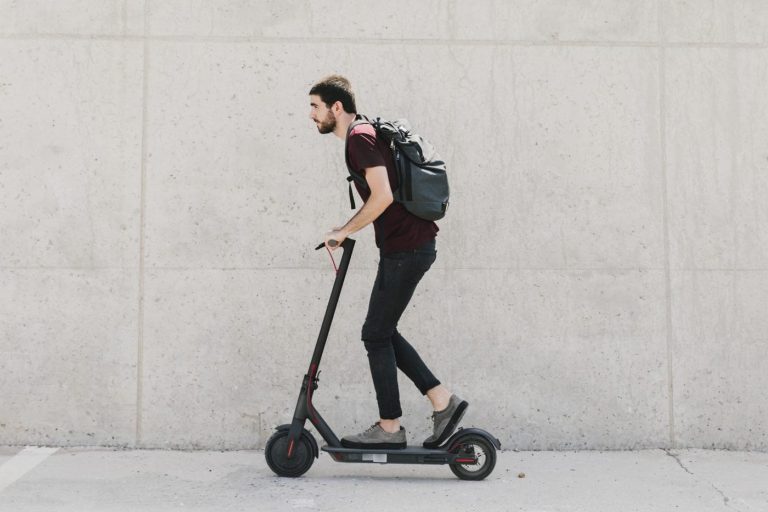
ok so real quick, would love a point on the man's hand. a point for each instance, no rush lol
(337, 234)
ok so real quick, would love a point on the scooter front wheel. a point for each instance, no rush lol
(482, 449)
(276, 453)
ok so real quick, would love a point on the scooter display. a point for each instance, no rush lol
(291, 450)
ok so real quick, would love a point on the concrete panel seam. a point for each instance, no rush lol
(378, 42)
(733, 143)
(124, 14)
(665, 215)
(142, 222)
(436, 267)
(55, 267)
(359, 267)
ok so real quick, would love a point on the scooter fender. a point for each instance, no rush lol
(466, 431)
(315, 449)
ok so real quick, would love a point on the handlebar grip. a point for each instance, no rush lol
(332, 243)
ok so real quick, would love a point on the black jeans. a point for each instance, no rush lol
(396, 280)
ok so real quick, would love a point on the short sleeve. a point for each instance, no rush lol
(363, 152)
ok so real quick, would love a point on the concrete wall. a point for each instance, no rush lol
(602, 276)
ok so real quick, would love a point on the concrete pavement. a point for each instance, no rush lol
(99, 479)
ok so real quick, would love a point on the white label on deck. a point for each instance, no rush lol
(375, 457)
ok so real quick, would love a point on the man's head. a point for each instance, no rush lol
(330, 98)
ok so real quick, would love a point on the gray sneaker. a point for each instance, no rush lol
(446, 421)
(375, 437)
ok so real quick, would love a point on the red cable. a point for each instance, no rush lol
(332, 260)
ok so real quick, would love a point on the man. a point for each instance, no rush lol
(407, 251)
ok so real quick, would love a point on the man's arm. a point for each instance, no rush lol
(381, 197)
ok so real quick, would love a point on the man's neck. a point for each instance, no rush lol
(342, 125)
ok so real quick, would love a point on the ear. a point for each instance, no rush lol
(337, 108)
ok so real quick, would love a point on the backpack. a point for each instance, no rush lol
(422, 181)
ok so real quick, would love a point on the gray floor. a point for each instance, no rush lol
(88, 479)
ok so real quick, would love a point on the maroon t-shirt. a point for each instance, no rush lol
(396, 228)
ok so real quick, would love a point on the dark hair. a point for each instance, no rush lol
(335, 88)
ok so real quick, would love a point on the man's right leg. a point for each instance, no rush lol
(388, 300)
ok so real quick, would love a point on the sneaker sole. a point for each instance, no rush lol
(452, 424)
(374, 446)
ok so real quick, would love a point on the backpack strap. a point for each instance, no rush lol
(359, 119)
(350, 179)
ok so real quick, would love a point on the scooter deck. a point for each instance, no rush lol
(408, 455)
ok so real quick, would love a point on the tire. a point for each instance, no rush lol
(276, 453)
(485, 452)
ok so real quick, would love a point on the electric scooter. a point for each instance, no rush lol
(291, 450)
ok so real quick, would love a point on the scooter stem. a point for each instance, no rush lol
(348, 245)
(304, 407)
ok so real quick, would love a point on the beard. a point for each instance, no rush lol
(327, 125)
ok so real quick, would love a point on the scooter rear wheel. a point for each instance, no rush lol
(276, 453)
(485, 452)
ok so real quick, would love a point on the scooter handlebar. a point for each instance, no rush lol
(334, 243)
